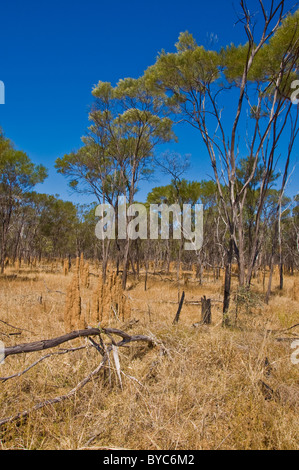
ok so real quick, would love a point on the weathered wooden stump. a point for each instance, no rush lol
(206, 311)
(177, 317)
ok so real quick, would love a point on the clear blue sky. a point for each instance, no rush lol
(53, 52)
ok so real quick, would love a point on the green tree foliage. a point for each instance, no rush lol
(128, 122)
(239, 99)
(18, 175)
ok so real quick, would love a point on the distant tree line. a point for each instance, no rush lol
(248, 218)
(36, 225)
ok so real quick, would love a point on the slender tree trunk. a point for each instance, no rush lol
(268, 294)
(3, 248)
(241, 252)
(227, 279)
(274, 245)
(280, 250)
(17, 244)
(146, 263)
(132, 264)
(125, 266)
(167, 256)
(105, 258)
(281, 280)
(241, 259)
(127, 245)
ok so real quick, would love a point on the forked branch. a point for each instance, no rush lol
(50, 343)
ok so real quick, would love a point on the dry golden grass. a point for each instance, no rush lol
(206, 392)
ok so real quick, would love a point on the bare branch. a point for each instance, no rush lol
(51, 343)
(65, 351)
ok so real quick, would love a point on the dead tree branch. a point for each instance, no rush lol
(50, 343)
(55, 400)
(41, 359)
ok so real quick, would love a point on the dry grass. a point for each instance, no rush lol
(207, 392)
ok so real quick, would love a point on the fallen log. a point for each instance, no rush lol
(52, 343)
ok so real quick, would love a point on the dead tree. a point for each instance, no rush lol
(206, 312)
(267, 101)
(177, 317)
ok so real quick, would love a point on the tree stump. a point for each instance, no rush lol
(206, 312)
(177, 317)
